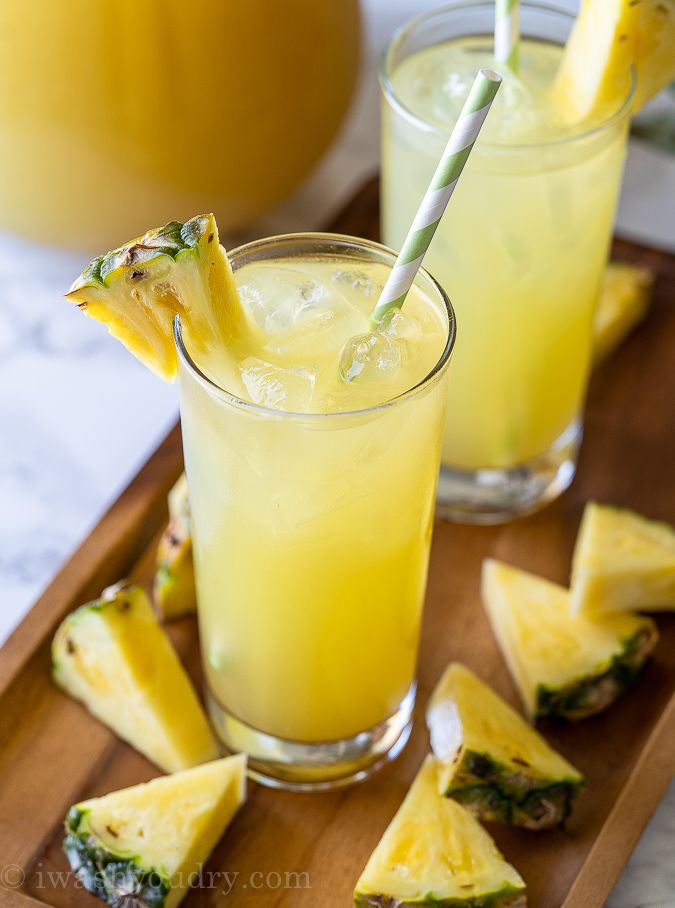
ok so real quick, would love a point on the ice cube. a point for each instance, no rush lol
(279, 301)
(279, 387)
(370, 357)
(455, 86)
(358, 280)
(400, 327)
(301, 317)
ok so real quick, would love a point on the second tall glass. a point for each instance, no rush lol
(521, 252)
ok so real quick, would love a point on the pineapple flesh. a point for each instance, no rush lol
(491, 761)
(143, 845)
(622, 561)
(138, 289)
(564, 665)
(623, 303)
(174, 583)
(609, 38)
(434, 854)
(114, 656)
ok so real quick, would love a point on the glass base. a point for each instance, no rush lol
(496, 496)
(308, 766)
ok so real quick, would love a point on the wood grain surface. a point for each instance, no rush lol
(308, 850)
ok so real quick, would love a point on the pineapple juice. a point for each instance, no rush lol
(312, 497)
(521, 250)
(115, 95)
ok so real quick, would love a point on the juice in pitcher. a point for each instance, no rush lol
(115, 113)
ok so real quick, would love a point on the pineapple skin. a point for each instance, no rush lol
(118, 880)
(493, 792)
(508, 897)
(596, 692)
(173, 587)
(171, 239)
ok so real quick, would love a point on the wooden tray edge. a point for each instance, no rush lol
(14, 898)
(627, 820)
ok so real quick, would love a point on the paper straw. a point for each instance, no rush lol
(438, 194)
(507, 32)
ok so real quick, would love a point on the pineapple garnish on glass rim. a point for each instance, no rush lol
(622, 561)
(177, 269)
(609, 39)
(114, 656)
(491, 761)
(564, 665)
(434, 854)
(144, 845)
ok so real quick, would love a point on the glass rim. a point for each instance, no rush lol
(385, 71)
(332, 239)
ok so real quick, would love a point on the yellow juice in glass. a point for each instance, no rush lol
(521, 252)
(312, 501)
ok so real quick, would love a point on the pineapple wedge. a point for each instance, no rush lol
(114, 656)
(491, 761)
(608, 38)
(564, 665)
(178, 499)
(136, 290)
(623, 302)
(174, 583)
(143, 845)
(434, 854)
(622, 561)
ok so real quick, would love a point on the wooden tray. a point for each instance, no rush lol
(53, 753)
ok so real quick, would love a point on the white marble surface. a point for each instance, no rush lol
(78, 415)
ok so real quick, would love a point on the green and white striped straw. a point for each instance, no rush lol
(438, 194)
(507, 33)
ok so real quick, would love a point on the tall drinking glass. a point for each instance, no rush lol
(521, 252)
(311, 538)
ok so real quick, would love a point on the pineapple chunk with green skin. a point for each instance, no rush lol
(491, 761)
(434, 854)
(622, 561)
(114, 656)
(564, 665)
(143, 845)
(174, 582)
(608, 38)
(623, 303)
(177, 269)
